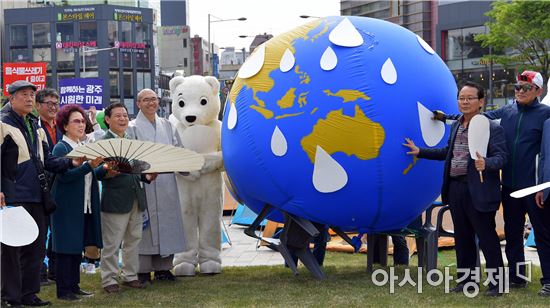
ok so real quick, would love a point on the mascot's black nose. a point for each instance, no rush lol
(190, 119)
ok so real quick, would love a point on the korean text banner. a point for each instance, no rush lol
(85, 92)
(32, 72)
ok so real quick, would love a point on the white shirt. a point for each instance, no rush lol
(87, 179)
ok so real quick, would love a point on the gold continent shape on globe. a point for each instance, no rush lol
(357, 135)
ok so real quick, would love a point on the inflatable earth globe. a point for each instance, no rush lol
(316, 118)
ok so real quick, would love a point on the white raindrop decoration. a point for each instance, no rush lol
(328, 59)
(232, 117)
(388, 72)
(287, 61)
(328, 175)
(254, 63)
(425, 45)
(345, 34)
(278, 142)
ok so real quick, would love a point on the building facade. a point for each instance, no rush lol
(175, 49)
(110, 42)
(459, 22)
(418, 16)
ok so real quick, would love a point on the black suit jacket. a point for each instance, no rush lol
(485, 196)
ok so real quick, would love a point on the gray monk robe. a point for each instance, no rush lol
(164, 234)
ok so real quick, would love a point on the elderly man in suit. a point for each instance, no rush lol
(473, 204)
(122, 203)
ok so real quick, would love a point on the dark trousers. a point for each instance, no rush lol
(48, 272)
(68, 273)
(21, 265)
(514, 224)
(400, 250)
(469, 222)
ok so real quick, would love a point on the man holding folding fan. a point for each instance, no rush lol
(163, 226)
(122, 204)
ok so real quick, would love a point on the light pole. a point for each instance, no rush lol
(308, 16)
(84, 50)
(210, 45)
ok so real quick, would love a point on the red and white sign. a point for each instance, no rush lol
(32, 72)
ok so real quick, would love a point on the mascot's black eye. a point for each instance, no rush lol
(204, 101)
(182, 104)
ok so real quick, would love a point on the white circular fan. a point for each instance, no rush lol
(136, 156)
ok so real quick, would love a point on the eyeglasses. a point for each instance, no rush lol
(467, 99)
(149, 100)
(78, 121)
(51, 104)
(526, 87)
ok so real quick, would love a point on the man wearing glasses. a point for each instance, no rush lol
(47, 105)
(523, 125)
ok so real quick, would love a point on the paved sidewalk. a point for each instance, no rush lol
(244, 250)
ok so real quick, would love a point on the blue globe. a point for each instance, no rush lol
(315, 121)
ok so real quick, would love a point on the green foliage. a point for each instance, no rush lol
(522, 29)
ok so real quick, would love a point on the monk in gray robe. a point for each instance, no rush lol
(163, 225)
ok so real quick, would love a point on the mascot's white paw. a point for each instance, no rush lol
(184, 269)
(210, 268)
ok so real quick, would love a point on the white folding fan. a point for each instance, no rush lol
(136, 156)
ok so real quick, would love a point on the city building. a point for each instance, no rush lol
(104, 41)
(418, 16)
(230, 62)
(459, 22)
(175, 50)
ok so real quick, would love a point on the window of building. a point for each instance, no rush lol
(142, 33)
(65, 58)
(143, 80)
(42, 55)
(461, 44)
(88, 31)
(19, 55)
(113, 83)
(184, 43)
(126, 32)
(90, 57)
(113, 58)
(41, 34)
(184, 62)
(65, 32)
(142, 59)
(129, 103)
(128, 84)
(127, 59)
(18, 35)
(89, 74)
(112, 31)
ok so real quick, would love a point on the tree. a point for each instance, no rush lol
(519, 33)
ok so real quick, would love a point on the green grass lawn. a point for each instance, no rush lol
(347, 284)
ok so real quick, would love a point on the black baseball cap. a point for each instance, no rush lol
(19, 85)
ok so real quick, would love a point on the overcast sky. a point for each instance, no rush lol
(270, 16)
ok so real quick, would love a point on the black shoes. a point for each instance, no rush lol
(71, 297)
(493, 292)
(34, 301)
(545, 291)
(462, 288)
(164, 276)
(10, 304)
(518, 285)
(83, 293)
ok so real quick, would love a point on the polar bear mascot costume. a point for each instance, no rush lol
(195, 108)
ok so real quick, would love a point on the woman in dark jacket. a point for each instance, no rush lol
(76, 222)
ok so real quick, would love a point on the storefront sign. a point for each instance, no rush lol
(130, 47)
(127, 15)
(79, 13)
(174, 30)
(31, 72)
(63, 45)
(197, 50)
(86, 92)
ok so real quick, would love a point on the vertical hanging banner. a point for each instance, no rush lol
(32, 72)
(85, 92)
